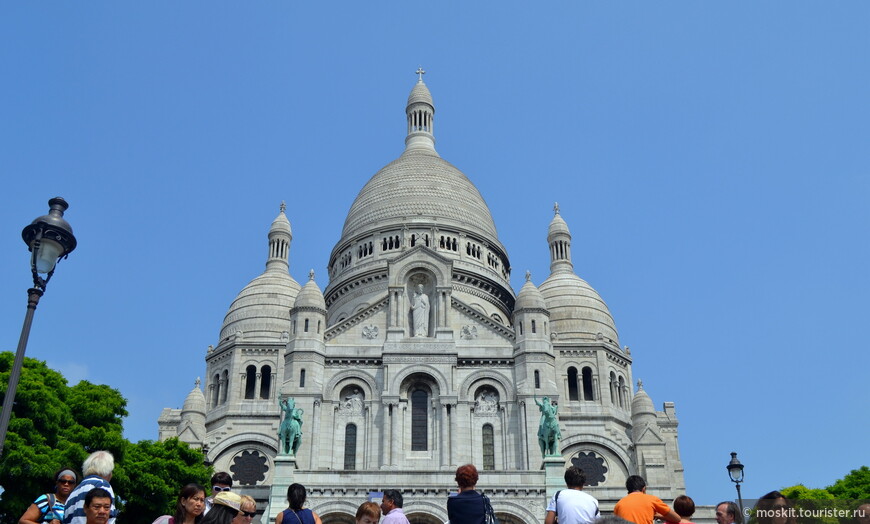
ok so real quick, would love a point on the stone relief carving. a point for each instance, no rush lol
(370, 332)
(352, 403)
(486, 403)
(469, 332)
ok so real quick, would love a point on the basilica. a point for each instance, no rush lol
(418, 357)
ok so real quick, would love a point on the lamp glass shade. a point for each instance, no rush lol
(47, 255)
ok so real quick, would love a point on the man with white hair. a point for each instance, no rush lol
(97, 470)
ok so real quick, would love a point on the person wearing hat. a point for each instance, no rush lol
(48, 507)
(227, 506)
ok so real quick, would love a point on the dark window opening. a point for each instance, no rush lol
(572, 384)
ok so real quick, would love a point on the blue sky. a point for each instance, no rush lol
(711, 160)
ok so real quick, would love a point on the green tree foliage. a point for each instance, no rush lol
(56, 426)
(855, 485)
(151, 476)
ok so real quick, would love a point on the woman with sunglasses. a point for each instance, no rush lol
(189, 508)
(247, 510)
(49, 506)
(226, 509)
(295, 514)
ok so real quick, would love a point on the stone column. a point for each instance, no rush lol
(444, 444)
(524, 431)
(313, 431)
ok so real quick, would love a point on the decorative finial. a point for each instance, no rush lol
(528, 276)
(556, 207)
(311, 275)
(283, 206)
(420, 72)
(639, 384)
(197, 383)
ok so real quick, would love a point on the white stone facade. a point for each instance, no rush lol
(390, 405)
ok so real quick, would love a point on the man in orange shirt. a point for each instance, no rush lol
(640, 508)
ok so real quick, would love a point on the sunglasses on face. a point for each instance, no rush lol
(218, 489)
(68, 482)
(250, 514)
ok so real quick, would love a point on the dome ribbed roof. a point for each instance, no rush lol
(261, 311)
(577, 312)
(641, 404)
(310, 296)
(195, 401)
(420, 94)
(419, 184)
(557, 226)
(529, 297)
(281, 223)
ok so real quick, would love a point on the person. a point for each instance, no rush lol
(368, 513)
(98, 506)
(639, 507)
(247, 510)
(774, 508)
(227, 507)
(862, 514)
(97, 470)
(684, 506)
(468, 506)
(391, 506)
(295, 514)
(220, 481)
(728, 513)
(189, 507)
(572, 505)
(48, 507)
(420, 312)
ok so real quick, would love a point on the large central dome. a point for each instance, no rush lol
(419, 184)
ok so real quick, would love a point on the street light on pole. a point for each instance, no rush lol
(49, 239)
(735, 471)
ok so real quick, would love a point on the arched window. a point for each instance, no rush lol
(534, 329)
(216, 390)
(621, 392)
(265, 381)
(488, 448)
(613, 388)
(573, 394)
(305, 329)
(521, 327)
(318, 327)
(588, 392)
(537, 379)
(419, 420)
(226, 385)
(250, 381)
(302, 378)
(350, 447)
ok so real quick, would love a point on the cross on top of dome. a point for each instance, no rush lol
(420, 72)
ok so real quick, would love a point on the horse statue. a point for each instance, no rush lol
(548, 430)
(290, 432)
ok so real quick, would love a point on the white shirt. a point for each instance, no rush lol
(575, 507)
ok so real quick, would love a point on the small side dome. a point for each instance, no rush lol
(577, 312)
(310, 296)
(641, 404)
(529, 297)
(195, 401)
(261, 311)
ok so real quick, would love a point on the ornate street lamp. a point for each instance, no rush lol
(735, 471)
(49, 239)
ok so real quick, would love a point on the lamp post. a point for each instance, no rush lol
(735, 471)
(49, 238)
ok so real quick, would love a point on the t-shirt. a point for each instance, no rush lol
(640, 508)
(574, 507)
(74, 512)
(49, 514)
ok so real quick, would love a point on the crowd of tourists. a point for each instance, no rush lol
(91, 500)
